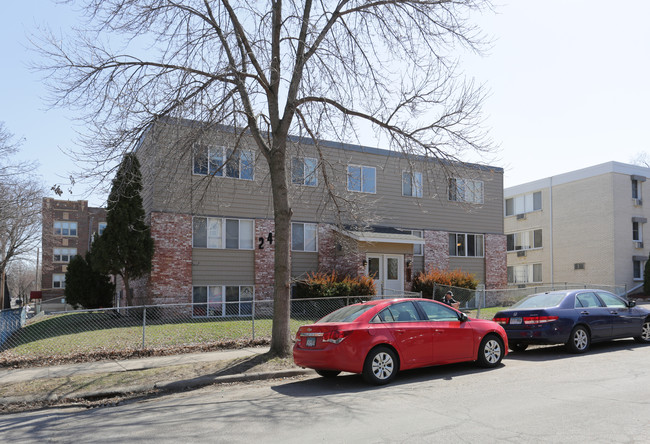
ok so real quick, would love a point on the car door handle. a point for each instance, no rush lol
(614, 312)
(439, 332)
(584, 312)
(400, 332)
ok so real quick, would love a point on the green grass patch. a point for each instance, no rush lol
(89, 332)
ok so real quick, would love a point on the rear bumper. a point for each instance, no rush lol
(339, 357)
(548, 334)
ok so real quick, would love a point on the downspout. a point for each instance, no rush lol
(550, 195)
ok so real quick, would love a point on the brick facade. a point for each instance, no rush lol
(495, 261)
(264, 259)
(171, 275)
(436, 250)
(87, 219)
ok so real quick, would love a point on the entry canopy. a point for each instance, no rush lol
(383, 234)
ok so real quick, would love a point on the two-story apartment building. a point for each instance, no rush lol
(67, 230)
(585, 226)
(356, 209)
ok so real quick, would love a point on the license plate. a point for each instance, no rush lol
(515, 321)
(310, 342)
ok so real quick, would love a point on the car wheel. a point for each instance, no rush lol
(380, 366)
(490, 352)
(328, 373)
(579, 341)
(518, 347)
(645, 333)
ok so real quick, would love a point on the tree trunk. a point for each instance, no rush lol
(281, 332)
(127, 290)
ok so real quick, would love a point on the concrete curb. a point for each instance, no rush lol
(165, 386)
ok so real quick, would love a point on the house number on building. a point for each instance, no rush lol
(269, 239)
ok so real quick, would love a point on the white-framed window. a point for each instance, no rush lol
(216, 232)
(65, 228)
(466, 190)
(525, 203)
(101, 227)
(64, 254)
(223, 162)
(362, 179)
(412, 184)
(524, 274)
(418, 249)
(222, 300)
(304, 237)
(463, 244)
(304, 171)
(524, 240)
(58, 281)
(636, 187)
(637, 231)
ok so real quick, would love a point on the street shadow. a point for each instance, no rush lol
(556, 352)
(354, 383)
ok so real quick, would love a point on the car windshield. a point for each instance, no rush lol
(541, 300)
(346, 314)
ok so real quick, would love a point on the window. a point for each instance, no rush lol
(210, 160)
(303, 237)
(523, 274)
(58, 281)
(223, 300)
(64, 254)
(610, 300)
(524, 240)
(411, 184)
(418, 249)
(466, 190)
(65, 228)
(437, 312)
(586, 300)
(101, 228)
(636, 232)
(637, 269)
(304, 171)
(637, 182)
(213, 232)
(401, 312)
(525, 203)
(361, 179)
(461, 244)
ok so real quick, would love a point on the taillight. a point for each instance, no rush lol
(502, 321)
(335, 336)
(532, 320)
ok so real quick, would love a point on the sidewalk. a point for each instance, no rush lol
(164, 381)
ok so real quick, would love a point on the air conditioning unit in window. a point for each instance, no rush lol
(638, 244)
(521, 216)
(521, 253)
(637, 202)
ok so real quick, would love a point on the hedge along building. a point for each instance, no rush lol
(356, 210)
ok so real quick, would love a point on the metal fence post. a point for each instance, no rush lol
(144, 324)
(253, 317)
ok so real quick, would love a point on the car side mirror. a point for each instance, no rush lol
(631, 304)
(462, 317)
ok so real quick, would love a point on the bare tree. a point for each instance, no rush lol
(325, 69)
(20, 206)
(22, 277)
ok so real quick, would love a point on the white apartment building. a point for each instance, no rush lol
(586, 226)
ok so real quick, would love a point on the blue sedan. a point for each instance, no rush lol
(573, 317)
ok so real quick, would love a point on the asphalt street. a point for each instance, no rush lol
(542, 395)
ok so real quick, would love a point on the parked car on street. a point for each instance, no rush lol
(573, 317)
(381, 337)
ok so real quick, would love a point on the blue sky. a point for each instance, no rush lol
(568, 81)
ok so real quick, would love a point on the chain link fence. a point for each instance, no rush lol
(170, 326)
(202, 326)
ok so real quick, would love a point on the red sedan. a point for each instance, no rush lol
(381, 337)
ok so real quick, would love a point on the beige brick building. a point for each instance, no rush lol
(581, 227)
